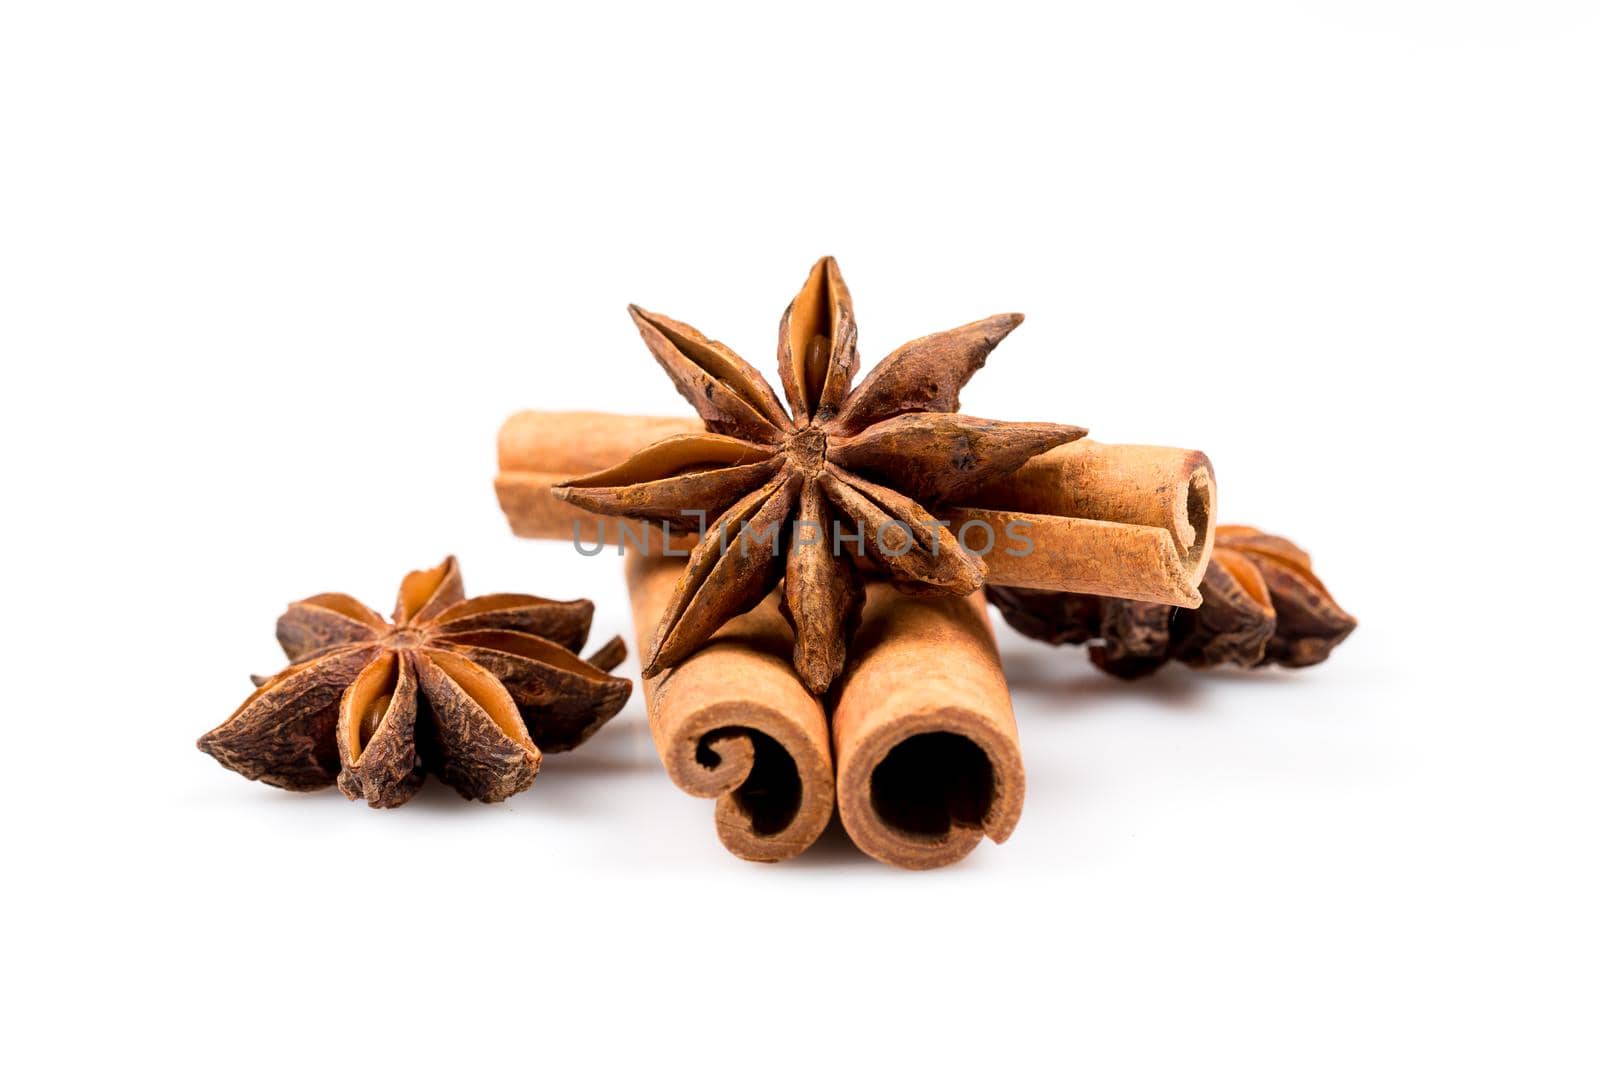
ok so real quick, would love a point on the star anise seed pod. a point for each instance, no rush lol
(877, 458)
(470, 690)
(1261, 604)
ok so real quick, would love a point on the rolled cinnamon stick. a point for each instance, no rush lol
(540, 448)
(734, 722)
(928, 759)
(570, 442)
(1146, 487)
(1131, 521)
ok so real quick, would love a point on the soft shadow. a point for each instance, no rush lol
(832, 850)
(567, 781)
(621, 751)
(621, 746)
(1065, 679)
(433, 798)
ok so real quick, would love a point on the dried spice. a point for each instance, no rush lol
(1262, 604)
(733, 722)
(470, 690)
(875, 459)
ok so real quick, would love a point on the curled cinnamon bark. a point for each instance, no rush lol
(1126, 521)
(1131, 521)
(733, 722)
(929, 763)
(1171, 489)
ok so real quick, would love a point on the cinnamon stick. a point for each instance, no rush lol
(1164, 489)
(540, 448)
(569, 442)
(734, 722)
(1131, 521)
(928, 759)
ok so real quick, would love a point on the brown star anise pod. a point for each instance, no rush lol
(1261, 604)
(877, 458)
(470, 690)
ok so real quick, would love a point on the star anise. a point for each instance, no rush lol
(1261, 605)
(877, 459)
(471, 690)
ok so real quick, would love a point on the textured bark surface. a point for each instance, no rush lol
(378, 733)
(1113, 520)
(283, 734)
(565, 622)
(539, 449)
(481, 755)
(926, 743)
(568, 698)
(1086, 556)
(469, 690)
(1148, 486)
(733, 722)
(819, 640)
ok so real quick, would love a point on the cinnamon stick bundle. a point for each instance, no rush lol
(734, 722)
(1130, 521)
(928, 762)
(928, 759)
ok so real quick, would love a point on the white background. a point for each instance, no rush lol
(271, 276)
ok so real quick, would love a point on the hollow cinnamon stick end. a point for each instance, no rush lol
(920, 798)
(1141, 486)
(928, 759)
(772, 782)
(734, 722)
(1196, 533)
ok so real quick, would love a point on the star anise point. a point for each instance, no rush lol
(873, 458)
